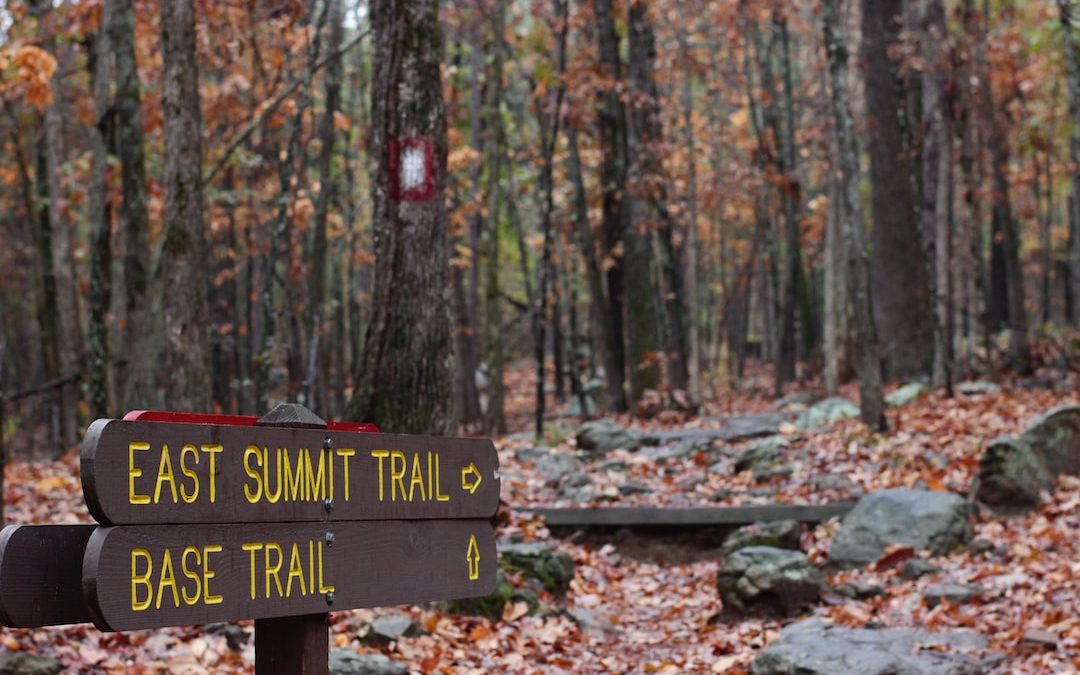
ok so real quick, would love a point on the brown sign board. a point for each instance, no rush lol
(41, 575)
(154, 576)
(136, 473)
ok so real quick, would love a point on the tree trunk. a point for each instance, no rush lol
(872, 404)
(97, 364)
(141, 333)
(612, 122)
(181, 270)
(1072, 79)
(936, 172)
(899, 282)
(691, 300)
(403, 381)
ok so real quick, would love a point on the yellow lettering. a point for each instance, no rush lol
(439, 496)
(275, 496)
(380, 455)
(133, 473)
(294, 480)
(295, 570)
(430, 477)
(316, 488)
(323, 588)
(252, 547)
(275, 569)
(209, 574)
(141, 580)
(417, 478)
(165, 472)
(213, 451)
(253, 496)
(397, 478)
(193, 575)
(167, 579)
(311, 564)
(345, 454)
(194, 494)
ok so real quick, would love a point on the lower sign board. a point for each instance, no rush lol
(41, 575)
(154, 576)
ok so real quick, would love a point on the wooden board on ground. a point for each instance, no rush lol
(136, 472)
(734, 516)
(154, 576)
(41, 575)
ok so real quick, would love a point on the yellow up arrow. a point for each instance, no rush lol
(465, 474)
(472, 555)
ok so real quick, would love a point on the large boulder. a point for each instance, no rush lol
(540, 564)
(347, 661)
(768, 580)
(923, 519)
(827, 411)
(909, 393)
(1056, 437)
(1012, 476)
(606, 435)
(777, 533)
(813, 647)
(23, 663)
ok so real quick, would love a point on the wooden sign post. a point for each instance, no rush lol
(280, 519)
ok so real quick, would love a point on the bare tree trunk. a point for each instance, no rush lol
(1072, 79)
(97, 365)
(180, 277)
(403, 381)
(691, 299)
(868, 364)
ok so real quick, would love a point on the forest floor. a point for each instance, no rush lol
(655, 603)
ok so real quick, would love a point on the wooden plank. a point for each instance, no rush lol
(136, 472)
(41, 575)
(292, 645)
(153, 576)
(690, 517)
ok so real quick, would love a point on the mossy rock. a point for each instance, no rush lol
(1056, 438)
(777, 534)
(538, 563)
(1012, 476)
(491, 606)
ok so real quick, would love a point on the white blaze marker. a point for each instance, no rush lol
(413, 172)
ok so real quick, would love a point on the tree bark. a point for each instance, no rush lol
(1072, 79)
(181, 270)
(872, 405)
(403, 381)
(899, 283)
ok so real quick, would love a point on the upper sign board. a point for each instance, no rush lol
(158, 472)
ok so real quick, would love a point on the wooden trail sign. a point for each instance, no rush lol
(41, 575)
(154, 576)
(136, 472)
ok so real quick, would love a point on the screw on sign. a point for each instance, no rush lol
(278, 519)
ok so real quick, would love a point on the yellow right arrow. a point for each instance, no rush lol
(470, 472)
(472, 555)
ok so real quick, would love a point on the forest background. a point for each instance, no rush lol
(637, 200)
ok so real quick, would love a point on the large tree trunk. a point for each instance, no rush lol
(612, 121)
(135, 379)
(936, 174)
(97, 366)
(403, 381)
(866, 344)
(1072, 79)
(693, 336)
(899, 282)
(180, 276)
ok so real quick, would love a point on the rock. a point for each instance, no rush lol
(768, 580)
(913, 568)
(922, 519)
(22, 663)
(577, 480)
(1055, 437)
(813, 647)
(906, 394)
(385, 629)
(824, 412)
(531, 454)
(574, 409)
(834, 481)
(734, 429)
(1012, 477)
(578, 494)
(627, 489)
(859, 590)
(491, 606)
(347, 661)
(537, 562)
(1039, 638)
(977, 388)
(777, 533)
(235, 636)
(957, 594)
(649, 404)
(589, 621)
(555, 467)
(605, 435)
(764, 452)
(763, 474)
(796, 402)
(981, 546)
